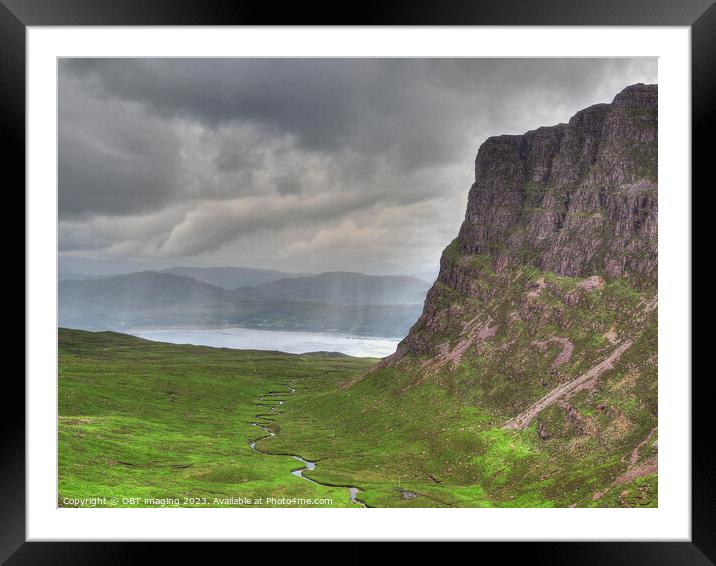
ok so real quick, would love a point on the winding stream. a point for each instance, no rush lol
(263, 420)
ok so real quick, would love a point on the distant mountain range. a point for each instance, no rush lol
(343, 288)
(71, 267)
(224, 277)
(206, 297)
(233, 277)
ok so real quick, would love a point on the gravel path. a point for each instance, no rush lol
(524, 419)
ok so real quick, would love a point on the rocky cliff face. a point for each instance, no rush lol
(558, 212)
(537, 344)
(577, 198)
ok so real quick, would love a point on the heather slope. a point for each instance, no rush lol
(538, 341)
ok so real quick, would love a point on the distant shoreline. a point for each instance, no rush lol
(288, 341)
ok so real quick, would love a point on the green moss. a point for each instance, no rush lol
(482, 263)
(560, 281)
(452, 251)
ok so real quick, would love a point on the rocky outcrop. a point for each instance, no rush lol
(541, 330)
(575, 200)
(537, 345)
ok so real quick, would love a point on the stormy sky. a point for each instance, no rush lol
(295, 164)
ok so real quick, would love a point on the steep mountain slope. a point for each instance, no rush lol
(545, 308)
(530, 377)
(558, 248)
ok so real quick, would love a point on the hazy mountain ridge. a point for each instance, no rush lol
(342, 287)
(233, 277)
(342, 302)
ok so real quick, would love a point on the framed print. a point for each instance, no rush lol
(422, 276)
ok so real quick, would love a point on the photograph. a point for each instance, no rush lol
(357, 282)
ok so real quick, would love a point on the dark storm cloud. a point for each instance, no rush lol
(209, 152)
(102, 181)
(288, 185)
(112, 159)
(328, 103)
(318, 100)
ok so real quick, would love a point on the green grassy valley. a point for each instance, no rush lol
(527, 374)
(140, 419)
(153, 424)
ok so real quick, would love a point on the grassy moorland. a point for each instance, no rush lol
(140, 419)
(149, 420)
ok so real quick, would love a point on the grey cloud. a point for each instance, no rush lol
(140, 234)
(409, 104)
(287, 148)
(287, 185)
(281, 93)
(230, 159)
(212, 225)
(112, 162)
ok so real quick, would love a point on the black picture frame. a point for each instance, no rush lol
(699, 15)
